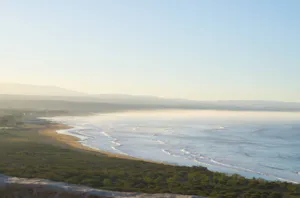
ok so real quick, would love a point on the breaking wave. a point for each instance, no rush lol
(161, 142)
(119, 151)
(115, 141)
(105, 134)
(169, 153)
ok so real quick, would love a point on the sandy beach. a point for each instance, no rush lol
(72, 142)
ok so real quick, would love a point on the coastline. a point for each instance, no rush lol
(72, 142)
(43, 155)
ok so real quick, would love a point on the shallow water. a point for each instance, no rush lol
(253, 144)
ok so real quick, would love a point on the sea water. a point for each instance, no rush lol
(253, 144)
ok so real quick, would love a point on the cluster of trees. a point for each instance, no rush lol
(14, 118)
(9, 121)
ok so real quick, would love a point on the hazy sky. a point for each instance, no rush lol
(197, 49)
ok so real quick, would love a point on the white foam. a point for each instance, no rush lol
(235, 167)
(185, 151)
(92, 147)
(115, 141)
(252, 171)
(196, 157)
(119, 151)
(169, 153)
(203, 163)
(286, 180)
(165, 151)
(72, 132)
(105, 134)
(160, 142)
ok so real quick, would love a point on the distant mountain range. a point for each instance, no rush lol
(17, 92)
(24, 89)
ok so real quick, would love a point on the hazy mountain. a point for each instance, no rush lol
(24, 89)
(18, 95)
(34, 92)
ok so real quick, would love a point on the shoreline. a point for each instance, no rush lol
(73, 142)
(35, 150)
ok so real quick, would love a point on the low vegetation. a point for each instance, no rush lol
(26, 153)
(18, 191)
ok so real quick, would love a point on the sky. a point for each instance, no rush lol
(193, 49)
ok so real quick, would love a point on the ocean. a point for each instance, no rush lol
(253, 144)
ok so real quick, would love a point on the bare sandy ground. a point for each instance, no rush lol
(35, 188)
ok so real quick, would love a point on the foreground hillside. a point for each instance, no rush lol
(12, 187)
(26, 153)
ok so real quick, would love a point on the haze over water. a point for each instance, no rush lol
(253, 144)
